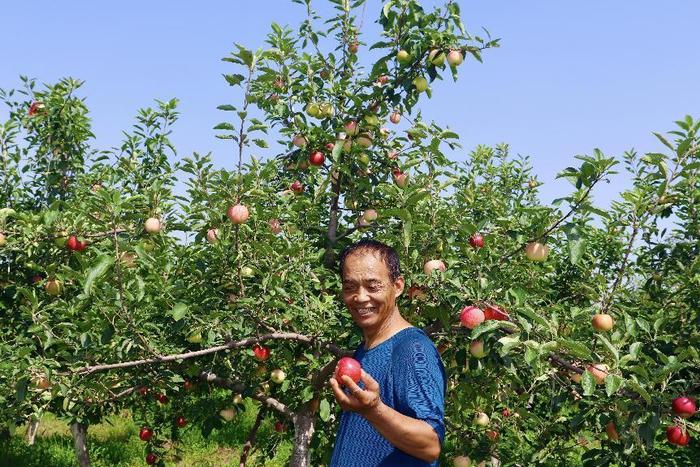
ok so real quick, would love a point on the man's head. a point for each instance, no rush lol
(372, 281)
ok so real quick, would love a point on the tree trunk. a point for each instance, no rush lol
(303, 432)
(79, 431)
(32, 428)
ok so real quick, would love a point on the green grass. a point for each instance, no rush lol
(115, 442)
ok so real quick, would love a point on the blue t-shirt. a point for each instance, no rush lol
(411, 379)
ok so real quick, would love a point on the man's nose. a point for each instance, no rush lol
(361, 295)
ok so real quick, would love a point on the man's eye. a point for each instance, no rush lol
(349, 287)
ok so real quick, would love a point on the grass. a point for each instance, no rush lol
(115, 442)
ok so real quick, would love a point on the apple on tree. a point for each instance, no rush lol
(611, 431)
(212, 235)
(403, 57)
(53, 287)
(74, 244)
(436, 57)
(471, 317)
(476, 348)
(151, 458)
(382, 79)
(228, 414)
(599, 372)
(351, 128)
(370, 215)
(455, 58)
(238, 213)
(434, 265)
(493, 312)
(152, 225)
(536, 251)
(316, 158)
(395, 117)
(296, 187)
(684, 407)
(145, 434)
(181, 421)
(261, 353)
(400, 178)
(238, 398)
(677, 435)
(299, 141)
(462, 461)
(476, 241)
(602, 322)
(481, 419)
(275, 226)
(417, 293)
(277, 376)
(421, 84)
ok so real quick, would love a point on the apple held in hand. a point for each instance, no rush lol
(684, 407)
(433, 265)
(277, 376)
(152, 225)
(536, 251)
(238, 213)
(471, 317)
(350, 367)
(602, 322)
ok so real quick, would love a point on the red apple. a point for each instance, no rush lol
(297, 187)
(353, 47)
(151, 458)
(611, 431)
(42, 382)
(364, 140)
(492, 435)
(212, 235)
(162, 398)
(492, 312)
(329, 147)
(382, 79)
(350, 367)
(238, 213)
(143, 390)
(602, 322)
(145, 434)
(599, 372)
(684, 407)
(476, 241)
(400, 178)
(74, 244)
(455, 58)
(316, 158)
(471, 317)
(181, 421)
(536, 251)
(36, 278)
(187, 385)
(395, 118)
(261, 353)
(299, 141)
(415, 292)
(351, 128)
(35, 108)
(280, 427)
(505, 413)
(152, 225)
(432, 265)
(676, 435)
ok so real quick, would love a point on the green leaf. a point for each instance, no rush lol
(611, 348)
(103, 263)
(21, 389)
(179, 311)
(575, 348)
(534, 317)
(588, 383)
(224, 126)
(324, 410)
(612, 384)
(234, 80)
(577, 247)
(634, 385)
(508, 343)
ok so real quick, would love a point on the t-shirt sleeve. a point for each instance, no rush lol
(419, 383)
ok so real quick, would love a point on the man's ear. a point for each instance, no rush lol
(398, 285)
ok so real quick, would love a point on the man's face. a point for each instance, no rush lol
(368, 291)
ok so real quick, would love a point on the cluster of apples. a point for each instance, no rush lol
(471, 316)
(683, 407)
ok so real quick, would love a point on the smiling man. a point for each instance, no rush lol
(395, 417)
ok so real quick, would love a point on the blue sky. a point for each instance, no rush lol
(569, 76)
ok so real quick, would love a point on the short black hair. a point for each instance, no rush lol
(385, 252)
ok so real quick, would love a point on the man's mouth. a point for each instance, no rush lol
(365, 311)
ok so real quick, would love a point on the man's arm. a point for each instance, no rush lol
(410, 435)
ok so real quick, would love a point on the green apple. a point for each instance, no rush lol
(403, 57)
(195, 337)
(421, 84)
(277, 376)
(436, 57)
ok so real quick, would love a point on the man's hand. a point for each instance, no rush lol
(362, 401)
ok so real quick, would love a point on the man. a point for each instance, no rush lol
(395, 417)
